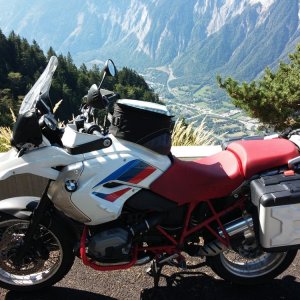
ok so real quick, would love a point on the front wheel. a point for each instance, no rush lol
(240, 269)
(48, 260)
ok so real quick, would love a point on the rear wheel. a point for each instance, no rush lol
(236, 267)
(48, 260)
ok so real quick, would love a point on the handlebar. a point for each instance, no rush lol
(92, 128)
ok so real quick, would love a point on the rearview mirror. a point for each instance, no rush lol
(110, 68)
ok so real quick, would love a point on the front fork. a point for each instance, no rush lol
(36, 217)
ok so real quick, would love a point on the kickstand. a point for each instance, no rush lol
(155, 271)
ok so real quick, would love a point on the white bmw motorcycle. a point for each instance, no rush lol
(118, 198)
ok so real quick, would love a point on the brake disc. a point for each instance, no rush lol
(12, 239)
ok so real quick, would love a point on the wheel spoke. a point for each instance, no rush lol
(39, 264)
(247, 267)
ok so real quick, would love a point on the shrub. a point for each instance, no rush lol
(5, 135)
(187, 135)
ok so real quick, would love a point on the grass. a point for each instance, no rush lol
(187, 135)
(5, 135)
(183, 135)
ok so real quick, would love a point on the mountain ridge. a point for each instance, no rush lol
(196, 39)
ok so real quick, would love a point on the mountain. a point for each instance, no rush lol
(178, 42)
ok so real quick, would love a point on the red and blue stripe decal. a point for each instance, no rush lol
(113, 196)
(134, 172)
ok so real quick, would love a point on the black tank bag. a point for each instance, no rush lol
(150, 129)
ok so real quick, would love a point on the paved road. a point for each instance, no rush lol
(83, 283)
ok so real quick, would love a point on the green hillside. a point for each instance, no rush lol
(21, 64)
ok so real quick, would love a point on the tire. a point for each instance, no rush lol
(233, 267)
(47, 261)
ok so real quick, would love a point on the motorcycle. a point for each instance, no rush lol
(117, 198)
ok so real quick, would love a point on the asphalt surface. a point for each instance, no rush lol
(84, 283)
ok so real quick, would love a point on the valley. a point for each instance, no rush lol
(179, 47)
(195, 103)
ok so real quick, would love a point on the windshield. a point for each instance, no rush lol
(41, 87)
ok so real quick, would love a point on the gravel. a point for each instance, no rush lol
(84, 283)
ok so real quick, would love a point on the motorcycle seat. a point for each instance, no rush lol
(256, 156)
(219, 175)
(210, 177)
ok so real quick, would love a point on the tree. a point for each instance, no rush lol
(21, 63)
(129, 84)
(274, 99)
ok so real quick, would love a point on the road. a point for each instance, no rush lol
(83, 283)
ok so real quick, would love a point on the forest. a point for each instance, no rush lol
(21, 63)
(273, 99)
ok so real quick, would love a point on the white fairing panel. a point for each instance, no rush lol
(111, 176)
(119, 147)
(104, 179)
(38, 162)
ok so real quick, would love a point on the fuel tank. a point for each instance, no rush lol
(94, 191)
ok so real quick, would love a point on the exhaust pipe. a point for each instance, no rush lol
(238, 226)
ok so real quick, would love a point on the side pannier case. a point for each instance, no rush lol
(277, 198)
(145, 123)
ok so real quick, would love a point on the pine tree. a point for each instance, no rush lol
(21, 63)
(274, 99)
